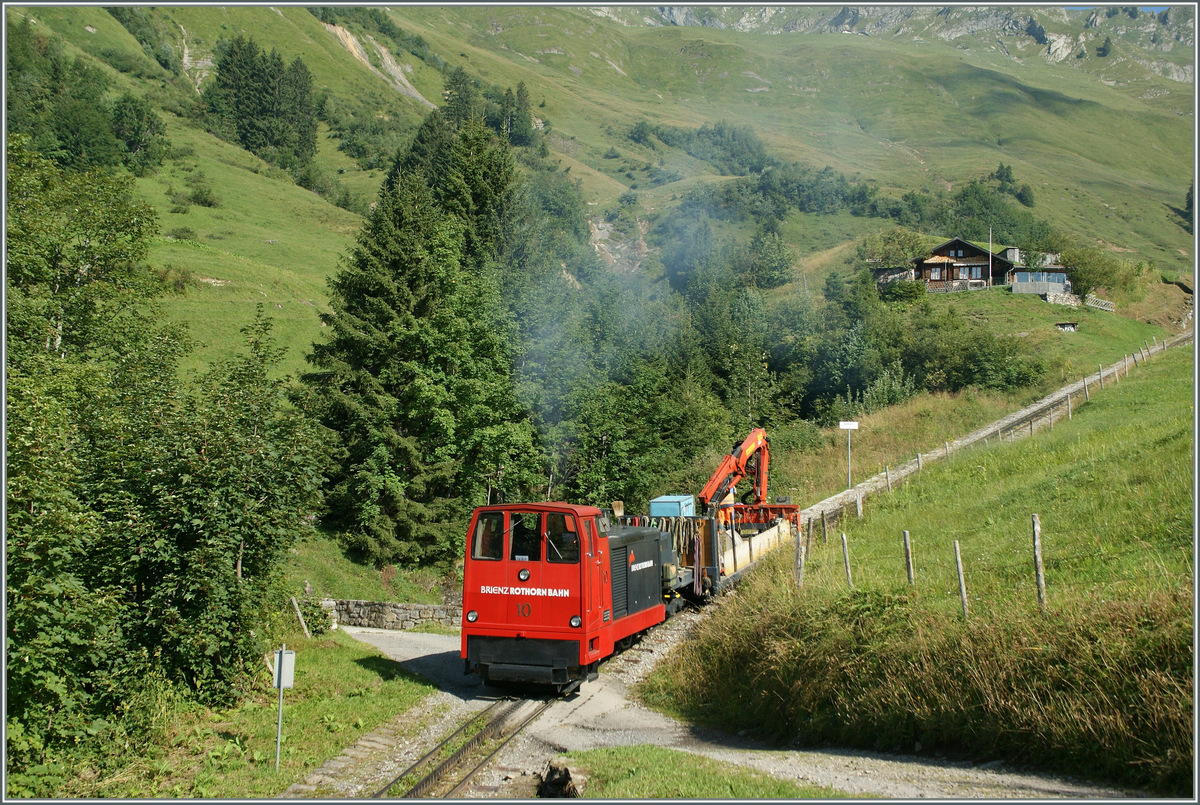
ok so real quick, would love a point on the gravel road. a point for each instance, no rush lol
(602, 713)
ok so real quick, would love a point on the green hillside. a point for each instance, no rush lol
(892, 111)
(923, 101)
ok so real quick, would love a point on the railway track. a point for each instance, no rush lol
(448, 769)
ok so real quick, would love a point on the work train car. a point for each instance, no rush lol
(551, 589)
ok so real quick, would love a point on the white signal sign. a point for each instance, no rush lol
(848, 425)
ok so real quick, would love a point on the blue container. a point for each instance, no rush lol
(673, 506)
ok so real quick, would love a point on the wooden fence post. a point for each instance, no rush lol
(1031, 428)
(824, 529)
(947, 451)
(846, 559)
(303, 625)
(887, 471)
(962, 582)
(858, 505)
(800, 579)
(808, 537)
(908, 558)
(1102, 377)
(1068, 407)
(1037, 564)
(918, 462)
(1087, 395)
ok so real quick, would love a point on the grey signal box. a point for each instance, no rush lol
(285, 669)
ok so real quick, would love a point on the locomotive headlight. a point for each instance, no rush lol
(472, 616)
(576, 621)
(523, 574)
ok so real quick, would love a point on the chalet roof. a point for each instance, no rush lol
(981, 259)
(953, 241)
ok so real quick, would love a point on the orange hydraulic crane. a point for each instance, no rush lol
(736, 466)
(751, 457)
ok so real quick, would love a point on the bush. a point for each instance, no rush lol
(173, 277)
(799, 436)
(202, 193)
(127, 62)
(316, 618)
(902, 291)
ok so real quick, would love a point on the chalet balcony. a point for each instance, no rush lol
(953, 286)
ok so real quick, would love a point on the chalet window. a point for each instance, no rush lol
(976, 272)
(935, 273)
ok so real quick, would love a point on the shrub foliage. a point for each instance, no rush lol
(147, 516)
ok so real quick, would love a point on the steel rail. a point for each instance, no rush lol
(452, 793)
(434, 777)
(497, 727)
(485, 713)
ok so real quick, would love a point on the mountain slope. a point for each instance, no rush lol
(904, 98)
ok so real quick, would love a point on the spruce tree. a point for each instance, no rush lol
(462, 98)
(521, 130)
(470, 174)
(300, 110)
(262, 105)
(415, 380)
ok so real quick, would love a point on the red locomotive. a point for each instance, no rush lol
(552, 589)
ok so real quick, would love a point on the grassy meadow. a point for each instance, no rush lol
(343, 690)
(1100, 685)
(810, 470)
(654, 772)
(898, 112)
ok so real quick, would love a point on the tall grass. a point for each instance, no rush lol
(1100, 685)
(343, 690)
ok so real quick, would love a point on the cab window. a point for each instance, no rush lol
(488, 540)
(562, 540)
(526, 537)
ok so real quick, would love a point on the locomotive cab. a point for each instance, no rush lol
(535, 594)
(549, 590)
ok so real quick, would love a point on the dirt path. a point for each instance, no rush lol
(604, 714)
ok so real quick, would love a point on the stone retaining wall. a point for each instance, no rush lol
(386, 615)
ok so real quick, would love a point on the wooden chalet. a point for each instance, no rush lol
(957, 265)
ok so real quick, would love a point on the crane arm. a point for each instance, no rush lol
(735, 466)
